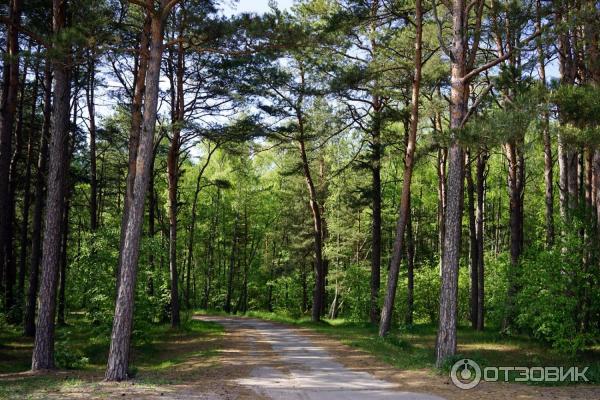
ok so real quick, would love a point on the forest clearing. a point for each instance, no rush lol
(311, 199)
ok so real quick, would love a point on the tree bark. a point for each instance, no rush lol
(319, 292)
(376, 208)
(36, 223)
(27, 192)
(90, 100)
(135, 129)
(446, 337)
(392, 284)
(63, 265)
(410, 271)
(474, 245)
(43, 351)
(118, 357)
(177, 96)
(480, 212)
(8, 104)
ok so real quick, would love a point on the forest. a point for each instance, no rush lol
(395, 165)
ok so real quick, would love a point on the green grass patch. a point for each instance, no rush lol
(81, 352)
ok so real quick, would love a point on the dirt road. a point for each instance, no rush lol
(298, 368)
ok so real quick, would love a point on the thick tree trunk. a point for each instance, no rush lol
(446, 337)
(134, 133)
(118, 357)
(36, 223)
(392, 284)
(43, 351)
(8, 104)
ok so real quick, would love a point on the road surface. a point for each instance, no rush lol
(297, 368)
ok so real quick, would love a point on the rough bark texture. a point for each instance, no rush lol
(43, 350)
(446, 337)
(135, 129)
(409, 160)
(36, 223)
(118, 357)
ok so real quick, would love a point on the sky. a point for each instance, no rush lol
(256, 6)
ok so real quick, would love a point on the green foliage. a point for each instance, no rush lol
(555, 288)
(69, 358)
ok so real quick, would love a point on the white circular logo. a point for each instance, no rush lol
(465, 374)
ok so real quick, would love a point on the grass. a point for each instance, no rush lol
(81, 353)
(411, 348)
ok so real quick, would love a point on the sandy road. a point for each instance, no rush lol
(297, 368)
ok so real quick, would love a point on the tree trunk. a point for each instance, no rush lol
(376, 229)
(392, 284)
(63, 266)
(8, 104)
(118, 357)
(474, 245)
(441, 208)
(410, 271)
(319, 292)
(231, 270)
(36, 223)
(27, 192)
(89, 95)
(43, 351)
(177, 96)
(134, 133)
(481, 176)
(446, 337)
(548, 175)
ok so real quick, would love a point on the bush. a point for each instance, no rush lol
(68, 358)
(555, 295)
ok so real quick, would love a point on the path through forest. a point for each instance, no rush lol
(298, 368)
